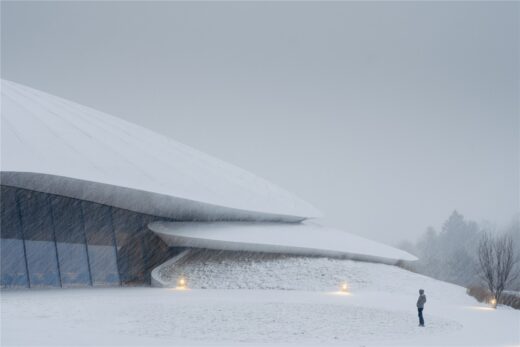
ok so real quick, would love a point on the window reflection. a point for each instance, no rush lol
(101, 247)
(40, 245)
(73, 264)
(129, 230)
(68, 242)
(70, 238)
(41, 260)
(103, 264)
(13, 268)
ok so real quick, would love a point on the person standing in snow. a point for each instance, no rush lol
(420, 306)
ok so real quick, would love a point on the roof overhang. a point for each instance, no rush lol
(289, 238)
(57, 146)
(152, 203)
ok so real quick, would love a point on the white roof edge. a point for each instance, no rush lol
(135, 200)
(46, 136)
(288, 238)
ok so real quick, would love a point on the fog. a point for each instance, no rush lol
(385, 116)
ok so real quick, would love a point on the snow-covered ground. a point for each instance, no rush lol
(288, 300)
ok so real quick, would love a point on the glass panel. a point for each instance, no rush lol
(13, 268)
(128, 227)
(84, 242)
(101, 247)
(10, 222)
(70, 238)
(73, 264)
(41, 258)
(39, 238)
(103, 264)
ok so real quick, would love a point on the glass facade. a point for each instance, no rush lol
(54, 241)
(13, 264)
(101, 244)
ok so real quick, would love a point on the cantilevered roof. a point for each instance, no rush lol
(57, 146)
(307, 238)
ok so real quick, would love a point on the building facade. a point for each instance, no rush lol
(88, 199)
(49, 240)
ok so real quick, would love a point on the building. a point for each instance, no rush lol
(88, 199)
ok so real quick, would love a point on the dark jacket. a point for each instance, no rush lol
(421, 301)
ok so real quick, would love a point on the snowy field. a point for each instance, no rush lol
(283, 301)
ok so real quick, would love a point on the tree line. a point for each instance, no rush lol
(469, 254)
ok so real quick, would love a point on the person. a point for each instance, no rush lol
(420, 306)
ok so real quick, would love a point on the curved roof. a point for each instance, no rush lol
(57, 146)
(305, 238)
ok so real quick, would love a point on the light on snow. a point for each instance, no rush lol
(344, 287)
(182, 283)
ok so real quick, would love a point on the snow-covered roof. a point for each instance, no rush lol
(307, 238)
(57, 146)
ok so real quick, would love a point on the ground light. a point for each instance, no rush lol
(493, 302)
(344, 287)
(182, 283)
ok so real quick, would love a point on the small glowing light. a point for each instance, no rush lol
(344, 287)
(493, 301)
(182, 283)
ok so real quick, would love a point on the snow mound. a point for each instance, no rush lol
(211, 269)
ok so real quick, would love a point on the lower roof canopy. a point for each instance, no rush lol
(305, 238)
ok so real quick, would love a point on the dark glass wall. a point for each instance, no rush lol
(71, 244)
(13, 265)
(101, 244)
(39, 238)
(54, 241)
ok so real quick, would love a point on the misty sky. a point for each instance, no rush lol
(385, 116)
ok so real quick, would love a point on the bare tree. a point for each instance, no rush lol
(496, 260)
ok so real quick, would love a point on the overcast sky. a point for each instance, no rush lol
(385, 116)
